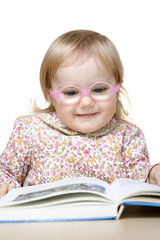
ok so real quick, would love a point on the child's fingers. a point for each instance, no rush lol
(157, 174)
(158, 178)
(11, 186)
(3, 189)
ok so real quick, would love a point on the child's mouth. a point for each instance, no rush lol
(86, 115)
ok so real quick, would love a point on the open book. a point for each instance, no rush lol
(76, 199)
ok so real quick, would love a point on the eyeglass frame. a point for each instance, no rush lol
(84, 92)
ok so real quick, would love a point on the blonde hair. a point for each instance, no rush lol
(76, 43)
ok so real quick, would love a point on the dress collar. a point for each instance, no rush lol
(52, 120)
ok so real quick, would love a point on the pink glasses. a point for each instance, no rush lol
(71, 94)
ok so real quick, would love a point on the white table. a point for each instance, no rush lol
(135, 224)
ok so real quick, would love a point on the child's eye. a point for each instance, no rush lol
(99, 89)
(70, 93)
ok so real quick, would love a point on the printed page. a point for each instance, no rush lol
(124, 188)
(63, 187)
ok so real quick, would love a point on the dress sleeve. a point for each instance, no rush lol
(135, 154)
(15, 160)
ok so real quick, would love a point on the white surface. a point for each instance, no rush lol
(28, 28)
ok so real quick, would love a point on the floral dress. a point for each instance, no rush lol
(42, 149)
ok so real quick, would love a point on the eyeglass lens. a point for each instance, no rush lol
(99, 92)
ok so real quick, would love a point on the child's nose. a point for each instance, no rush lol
(86, 102)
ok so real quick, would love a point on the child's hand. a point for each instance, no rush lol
(5, 188)
(154, 176)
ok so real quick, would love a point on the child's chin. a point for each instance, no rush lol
(87, 130)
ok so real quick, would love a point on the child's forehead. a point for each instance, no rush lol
(85, 67)
(78, 59)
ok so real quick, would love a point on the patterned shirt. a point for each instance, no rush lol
(42, 149)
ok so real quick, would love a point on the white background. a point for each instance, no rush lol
(27, 27)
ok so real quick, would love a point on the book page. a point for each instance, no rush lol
(58, 213)
(124, 188)
(63, 187)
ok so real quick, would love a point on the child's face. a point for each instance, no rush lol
(87, 115)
